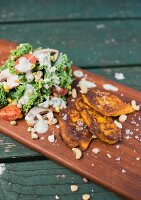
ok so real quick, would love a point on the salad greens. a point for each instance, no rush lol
(29, 76)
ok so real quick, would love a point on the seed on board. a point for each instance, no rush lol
(74, 188)
(77, 152)
(122, 118)
(13, 123)
(118, 124)
(134, 105)
(85, 196)
(74, 93)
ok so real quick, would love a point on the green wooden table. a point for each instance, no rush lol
(101, 36)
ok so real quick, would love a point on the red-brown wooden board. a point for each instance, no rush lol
(99, 168)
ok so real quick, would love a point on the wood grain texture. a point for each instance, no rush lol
(90, 166)
(103, 43)
(44, 180)
(67, 10)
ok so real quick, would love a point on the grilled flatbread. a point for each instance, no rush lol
(74, 130)
(101, 126)
(106, 103)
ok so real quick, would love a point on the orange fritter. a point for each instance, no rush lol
(74, 130)
(106, 103)
(101, 126)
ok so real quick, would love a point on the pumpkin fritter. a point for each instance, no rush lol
(101, 126)
(74, 130)
(106, 103)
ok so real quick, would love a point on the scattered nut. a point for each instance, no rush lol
(85, 196)
(74, 93)
(29, 129)
(13, 123)
(122, 118)
(118, 124)
(34, 136)
(54, 121)
(74, 188)
(51, 138)
(134, 105)
(56, 197)
(78, 153)
(85, 180)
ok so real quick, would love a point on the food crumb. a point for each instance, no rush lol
(85, 196)
(95, 150)
(74, 188)
(51, 138)
(85, 180)
(138, 158)
(118, 158)
(118, 124)
(57, 126)
(13, 123)
(119, 76)
(56, 197)
(109, 156)
(123, 171)
(117, 146)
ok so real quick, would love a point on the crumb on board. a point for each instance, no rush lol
(95, 150)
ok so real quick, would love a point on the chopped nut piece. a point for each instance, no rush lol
(51, 138)
(94, 136)
(29, 129)
(95, 150)
(85, 180)
(85, 196)
(134, 105)
(78, 153)
(34, 136)
(74, 93)
(54, 121)
(122, 118)
(56, 197)
(13, 123)
(74, 188)
(118, 124)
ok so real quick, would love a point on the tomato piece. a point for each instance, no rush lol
(10, 112)
(61, 92)
(30, 57)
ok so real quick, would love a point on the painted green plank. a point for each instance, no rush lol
(9, 149)
(93, 43)
(44, 180)
(76, 9)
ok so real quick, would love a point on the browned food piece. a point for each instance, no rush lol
(101, 126)
(74, 130)
(106, 103)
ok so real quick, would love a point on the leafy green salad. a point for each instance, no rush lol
(31, 76)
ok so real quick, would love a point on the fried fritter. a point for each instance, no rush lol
(74, 130)
(101, 126)
(106, 103)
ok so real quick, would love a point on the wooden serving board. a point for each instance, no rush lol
(117, 167)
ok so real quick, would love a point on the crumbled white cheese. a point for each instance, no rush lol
(85, 83)
(119, 76)
(41, 126)
(24, 65)
(110, 87)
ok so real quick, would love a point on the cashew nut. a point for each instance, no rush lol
(77, 152)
